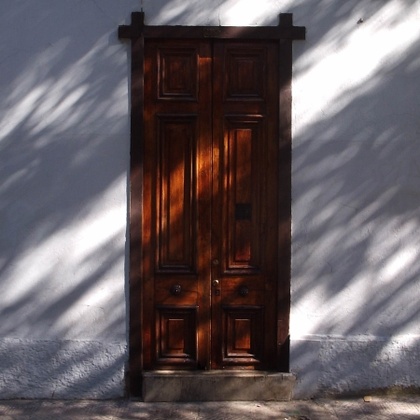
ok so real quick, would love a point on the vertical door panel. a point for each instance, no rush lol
(177, 139)
(241, 194)
(244, 307)
(176, 201)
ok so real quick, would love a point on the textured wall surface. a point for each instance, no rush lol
(64, 150)
(61, 369)
(356, 197)
(64, 141)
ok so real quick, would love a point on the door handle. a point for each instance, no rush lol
(176, 289)
(243, 291)
(216, 283)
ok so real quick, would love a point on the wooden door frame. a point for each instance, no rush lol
(137, 32)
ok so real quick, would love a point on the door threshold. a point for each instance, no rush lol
(216, 385)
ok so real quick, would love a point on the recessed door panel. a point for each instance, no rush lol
(176, 194)
(176, 332)
(243, 335)
(241, 193)
(177, 73)
(245, 73)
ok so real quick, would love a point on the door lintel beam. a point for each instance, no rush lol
(284, 30)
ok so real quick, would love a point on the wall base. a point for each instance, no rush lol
(174, 386)
(328, 366)
(61, 369)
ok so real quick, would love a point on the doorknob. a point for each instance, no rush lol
(243, 291)
(176, 289)
(215, 283)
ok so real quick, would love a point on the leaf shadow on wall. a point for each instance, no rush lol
(355, 265)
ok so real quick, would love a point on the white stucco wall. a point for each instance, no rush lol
(64, 150)
(355, 319)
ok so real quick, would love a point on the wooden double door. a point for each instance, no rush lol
(214, 295)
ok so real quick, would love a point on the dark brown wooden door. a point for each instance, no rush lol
(212, 290)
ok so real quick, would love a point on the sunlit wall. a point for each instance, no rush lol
(64, 150)
(355, 319)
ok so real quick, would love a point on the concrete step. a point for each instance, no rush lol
(177, 386)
